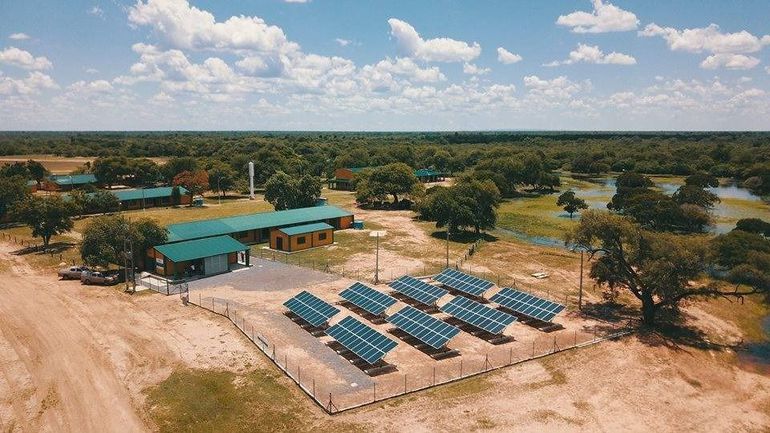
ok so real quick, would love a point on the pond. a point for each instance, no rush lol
(757, 354)
(539, 221)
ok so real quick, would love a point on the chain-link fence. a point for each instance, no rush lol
(161, 285)
(416, 379)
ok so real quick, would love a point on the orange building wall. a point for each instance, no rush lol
(346, 222)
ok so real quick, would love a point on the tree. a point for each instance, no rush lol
(102, 202)
(143, 171)
(175, 166)
(36, 170)
(222, 176)
(392, 179)
(12, 190)
(194, 181)
(109, 171)
(288, 192)
(469, 203)
(754, 225)
(46, 216)
(79, 200)
(176, 196)
(571, 203)
(659, 269)
(104, 239)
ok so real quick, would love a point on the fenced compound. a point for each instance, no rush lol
(412, 379)
(162, 285)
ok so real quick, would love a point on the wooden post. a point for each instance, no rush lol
(510, 355)
(434, 375)
(533, 348)
(461, 368)
(374, 392)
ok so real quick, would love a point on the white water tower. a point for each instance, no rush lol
(251, 180)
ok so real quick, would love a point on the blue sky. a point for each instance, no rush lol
(384, 65)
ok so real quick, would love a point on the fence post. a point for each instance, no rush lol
(314, 387)
(461, 368)
(434, 375)
(510, 355)
(405, 384)
(575, 338)
(533, 348)
(374, 392)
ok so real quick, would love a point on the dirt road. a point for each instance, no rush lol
(75, 358)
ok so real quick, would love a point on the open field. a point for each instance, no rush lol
(58, 164)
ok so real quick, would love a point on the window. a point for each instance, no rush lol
(322, 236)
(301, 240)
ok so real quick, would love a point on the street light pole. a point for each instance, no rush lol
(447, 246)
(377, 260)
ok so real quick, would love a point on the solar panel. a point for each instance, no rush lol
(367, 298)
(426, 328)
(311, 308)
(478, 315)
(529, 305)
(463, 282)
(418, 290)
(360, 339)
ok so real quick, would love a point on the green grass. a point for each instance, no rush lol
(220, 401)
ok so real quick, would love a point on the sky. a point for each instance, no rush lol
(398, 65)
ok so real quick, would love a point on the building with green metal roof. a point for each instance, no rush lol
(150, 197)
(344, 177)
(199, 257)
(66, 182)
(254, 228)
(302, 237)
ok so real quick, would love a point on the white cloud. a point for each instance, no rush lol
(92, 71)
(162, 98)
(431, 50)
(593, 54)
(23, 59)
(604, 18)
(342, 42)
(187, 27)
(18, 36)
(32, 84)
(98, 86)
(472, 69)
(559, 87)
(729, 61)
(96, 11)
(296, 1)
(507, 57)
(709, 39)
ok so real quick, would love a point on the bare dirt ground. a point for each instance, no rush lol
(76, 358)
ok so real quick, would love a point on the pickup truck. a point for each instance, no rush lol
(100, 278)
(72, 272)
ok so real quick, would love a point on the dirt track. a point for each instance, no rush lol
(72, 360)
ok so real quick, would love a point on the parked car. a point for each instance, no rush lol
(72, 272)
(100, 278)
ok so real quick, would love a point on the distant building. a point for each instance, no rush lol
(344, 177)
(149, 197)
(68, 182)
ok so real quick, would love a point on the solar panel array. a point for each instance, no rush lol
(365, 342)
(311, 308)
(529, 305)
(367, 298)
(426, 328)
(418, 290)
(463, 282)
(478, 315)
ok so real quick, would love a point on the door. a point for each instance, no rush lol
(279, 243)
(215, 264)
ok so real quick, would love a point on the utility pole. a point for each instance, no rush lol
(580, 292)
(128, 263)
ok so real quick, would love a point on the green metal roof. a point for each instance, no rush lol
(306, 228)
(426, 172)
(147, 193)
(72, 179)
(255, 221)
(200, 248)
